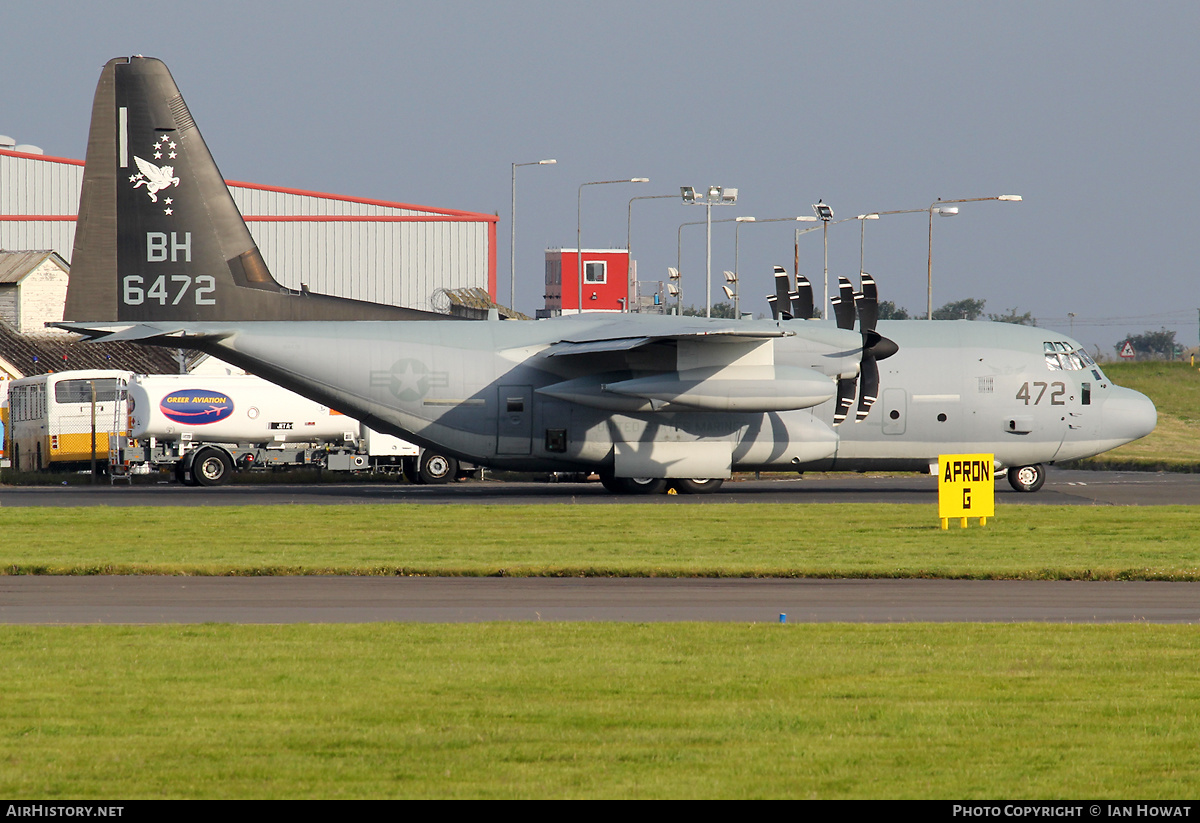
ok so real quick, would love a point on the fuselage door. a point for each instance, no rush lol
(514, 424)
(895, 410)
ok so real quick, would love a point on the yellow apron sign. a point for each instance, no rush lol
(966, 487)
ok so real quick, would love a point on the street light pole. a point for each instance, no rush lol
(740, 220)
(825, 214)
(512, 225)
(679, 237)
(629, 233)
(737, 274)
(579, 224)
(937, 207)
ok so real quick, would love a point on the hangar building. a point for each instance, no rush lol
(373, 250)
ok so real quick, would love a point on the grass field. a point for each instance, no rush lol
(600, 710)
(1175, 442)
(815, 540)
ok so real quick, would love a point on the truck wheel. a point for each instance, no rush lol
(182, 475)
(1027, 478)
(211, 467)
(697, 485)
(436, 469)
(408, 467)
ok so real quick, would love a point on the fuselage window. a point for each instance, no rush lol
(1086, 393)
(1061, 357)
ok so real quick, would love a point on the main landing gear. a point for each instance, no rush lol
(657, 485)
(1027, 478)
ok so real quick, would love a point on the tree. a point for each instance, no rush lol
(890, 311)
(961, 310)
(1026, 319)
(723, 310)
(1151, 343)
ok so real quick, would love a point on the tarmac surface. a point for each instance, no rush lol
(1075, 488)
(139, 600)
(175, 600)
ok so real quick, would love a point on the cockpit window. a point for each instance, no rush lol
(1061, 356)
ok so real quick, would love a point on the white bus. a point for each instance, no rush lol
(63, 420)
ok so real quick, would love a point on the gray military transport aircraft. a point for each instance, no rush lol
(163, 257)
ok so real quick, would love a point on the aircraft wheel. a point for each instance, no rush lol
(436, 469)
(211, 467)
(635, 485)
(1027, 478)
(610, 483)
(697, 485)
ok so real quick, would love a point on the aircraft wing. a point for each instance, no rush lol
(619, 344)
(711, 369)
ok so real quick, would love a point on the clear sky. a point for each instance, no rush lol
(1085, 109)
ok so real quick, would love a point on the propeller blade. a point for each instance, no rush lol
(802, 306)
(845, 398)
(867, 303)
(781, 288)
(870, 385)
(773, 302)
(843, 304)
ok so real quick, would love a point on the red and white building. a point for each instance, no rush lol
(606, 285)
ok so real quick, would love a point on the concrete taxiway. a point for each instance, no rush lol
(1075, 488)
(139, 600)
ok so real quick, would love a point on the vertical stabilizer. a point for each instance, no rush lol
(159, 236)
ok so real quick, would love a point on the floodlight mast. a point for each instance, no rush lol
(715, 196)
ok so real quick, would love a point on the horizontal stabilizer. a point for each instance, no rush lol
(142, 332)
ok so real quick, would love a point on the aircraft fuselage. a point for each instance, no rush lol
(491, 393)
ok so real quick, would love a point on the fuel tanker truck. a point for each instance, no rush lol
(205, 428)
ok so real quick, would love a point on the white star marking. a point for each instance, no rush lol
(407, 380)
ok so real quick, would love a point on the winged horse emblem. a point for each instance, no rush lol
(155, 179)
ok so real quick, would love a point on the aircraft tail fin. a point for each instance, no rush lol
(159, 237)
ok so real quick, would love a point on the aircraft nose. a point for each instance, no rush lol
(1129, 414)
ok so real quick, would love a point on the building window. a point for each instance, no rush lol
(595, 271)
